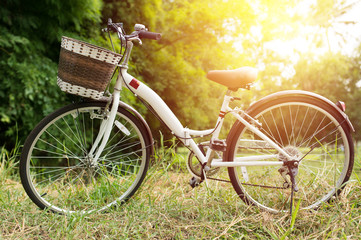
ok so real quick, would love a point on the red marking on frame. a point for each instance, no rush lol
(134, 83)
(222, 114)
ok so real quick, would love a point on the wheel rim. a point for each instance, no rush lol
(297, 126)
(60, 171)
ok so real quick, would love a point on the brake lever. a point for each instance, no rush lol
(134, 36)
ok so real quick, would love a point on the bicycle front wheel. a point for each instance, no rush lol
(58, 171)
(305, 128)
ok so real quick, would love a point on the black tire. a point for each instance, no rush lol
(296, 124)
(56, 169)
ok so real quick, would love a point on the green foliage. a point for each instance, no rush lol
(193, 42)
(311, 62)
(335, 76)
(197, 36)
(30, 33)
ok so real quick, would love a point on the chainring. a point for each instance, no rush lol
(194, 165)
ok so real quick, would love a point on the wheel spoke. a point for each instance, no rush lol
(306, 130)
(63, 176)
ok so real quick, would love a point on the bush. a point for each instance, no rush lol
(30, 33)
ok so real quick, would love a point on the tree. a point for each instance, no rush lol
(335, 76)
(30, 33)
(193, 42)
(197, 36)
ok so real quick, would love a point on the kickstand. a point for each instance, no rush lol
(293, 170)
(291, 203)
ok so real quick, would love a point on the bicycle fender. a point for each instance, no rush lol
(311, 95)
(139, 116)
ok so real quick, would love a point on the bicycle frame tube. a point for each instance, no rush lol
(168, 117)
(177, 128)
(164, 112)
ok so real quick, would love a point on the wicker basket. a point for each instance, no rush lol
(85, 69)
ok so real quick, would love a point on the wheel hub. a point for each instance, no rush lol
(292, 151)
(290, 167)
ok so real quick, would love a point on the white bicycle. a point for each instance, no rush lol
(291, 146)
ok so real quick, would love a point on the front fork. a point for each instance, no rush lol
(105, 129)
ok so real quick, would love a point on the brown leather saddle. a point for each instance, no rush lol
(234, 79)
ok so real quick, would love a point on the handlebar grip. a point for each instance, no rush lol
(150, 35)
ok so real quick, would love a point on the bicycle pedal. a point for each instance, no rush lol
(218, 145)
(194, 182)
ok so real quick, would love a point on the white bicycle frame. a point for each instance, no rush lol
(124, 79)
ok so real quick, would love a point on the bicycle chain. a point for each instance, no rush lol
(248, 184)
(264, 186)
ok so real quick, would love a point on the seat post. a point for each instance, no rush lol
(226, 100)
(229, 91)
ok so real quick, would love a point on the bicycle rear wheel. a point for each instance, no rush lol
(56, 168)
(303, 127)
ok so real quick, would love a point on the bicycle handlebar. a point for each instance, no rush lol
(149, 35)
(141, 31)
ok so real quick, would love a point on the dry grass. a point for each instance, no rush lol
(166, 207)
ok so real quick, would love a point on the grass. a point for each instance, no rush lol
(166, 207)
